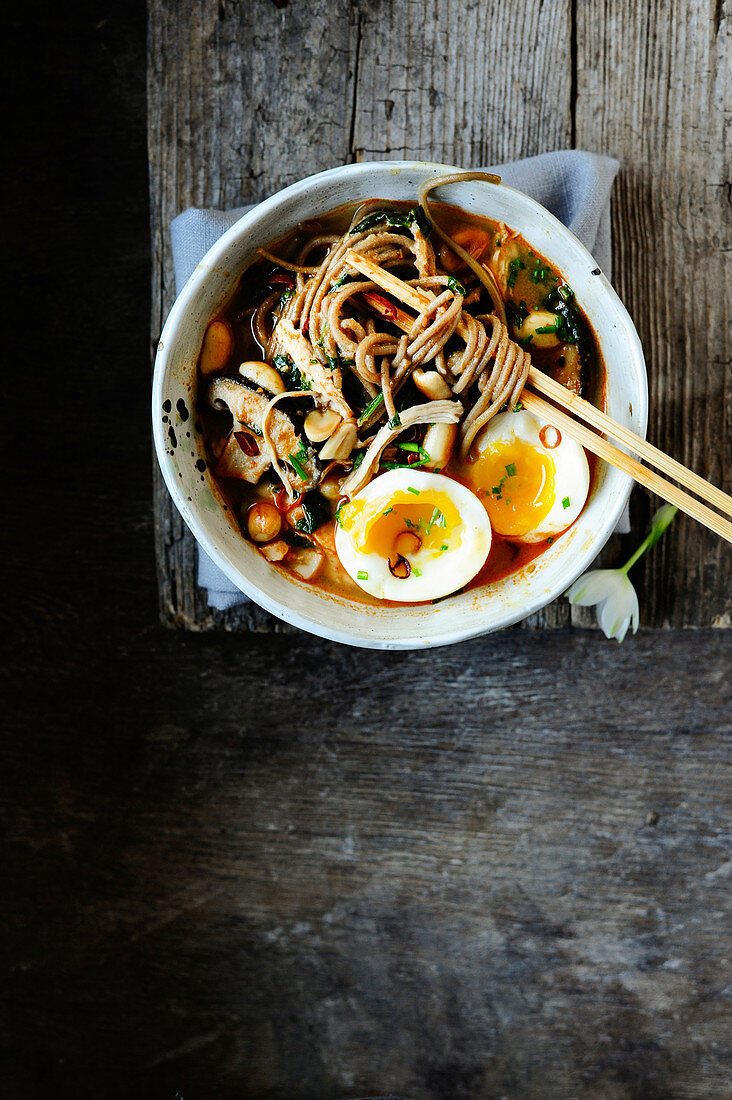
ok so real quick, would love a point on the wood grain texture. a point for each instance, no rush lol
(653, 90)
(269, 867)
(245, 98)
(410, 879)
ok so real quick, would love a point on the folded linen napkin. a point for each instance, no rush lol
(574, 185)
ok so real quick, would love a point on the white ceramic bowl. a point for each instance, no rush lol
(463, 615)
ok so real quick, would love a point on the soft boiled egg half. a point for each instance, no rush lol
(532, 479)
(411, 535)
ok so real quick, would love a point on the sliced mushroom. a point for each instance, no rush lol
(238, 462)
(262, 375)
(340, 444)
(247, 408)
(320, 425)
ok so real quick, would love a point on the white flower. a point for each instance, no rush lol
(610, 590)
(615, 598)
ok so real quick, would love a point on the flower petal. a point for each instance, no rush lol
(615, 614)
(592, 587)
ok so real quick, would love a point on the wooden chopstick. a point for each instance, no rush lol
(417, 299)
(649, 478)
(585, 411)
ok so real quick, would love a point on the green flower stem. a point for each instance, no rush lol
(661, 521)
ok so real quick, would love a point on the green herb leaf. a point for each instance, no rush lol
(414, 448)
(296, 461)
(395, 219)
(517, 314)
(455, 286)
(565, 502)
(315, 513)
(370, 409)
(436, 514)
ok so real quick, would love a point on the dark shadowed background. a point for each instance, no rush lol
(266, 866)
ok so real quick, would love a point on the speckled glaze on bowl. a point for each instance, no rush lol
(181, 453)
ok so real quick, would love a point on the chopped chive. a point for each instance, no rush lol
(362, 576)
(386, 513)
(411, 490)
(404, 465)
(455, 286)
(296, 463)
(415, 449)
(514, 267)
(394, 422)
(550, 540)
(443, 547)
(416, 572)
(511, 470)
(433, 519)
(517, 407)
(565, 502)
(370, 409)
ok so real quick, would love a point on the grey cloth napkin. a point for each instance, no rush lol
(575, 186)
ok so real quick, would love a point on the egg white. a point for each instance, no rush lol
(441, 572)
(571, 470)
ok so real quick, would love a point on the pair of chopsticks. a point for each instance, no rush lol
(418, 299)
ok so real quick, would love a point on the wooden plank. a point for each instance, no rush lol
(246, 98)
(243, 99)
(494, 871)
(653, 89)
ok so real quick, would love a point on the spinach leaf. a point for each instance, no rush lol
(395, 219)
(316, 512)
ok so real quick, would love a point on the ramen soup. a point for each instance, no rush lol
(361, 401)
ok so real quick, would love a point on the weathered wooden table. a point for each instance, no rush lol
(262, 866)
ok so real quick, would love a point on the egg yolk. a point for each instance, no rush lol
(377, 526)
(515, 482)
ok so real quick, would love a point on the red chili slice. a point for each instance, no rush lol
(281, 277)
(550, 436)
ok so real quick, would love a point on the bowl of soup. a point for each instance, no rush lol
(337, 405)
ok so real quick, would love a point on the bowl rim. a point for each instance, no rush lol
(219, 554)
